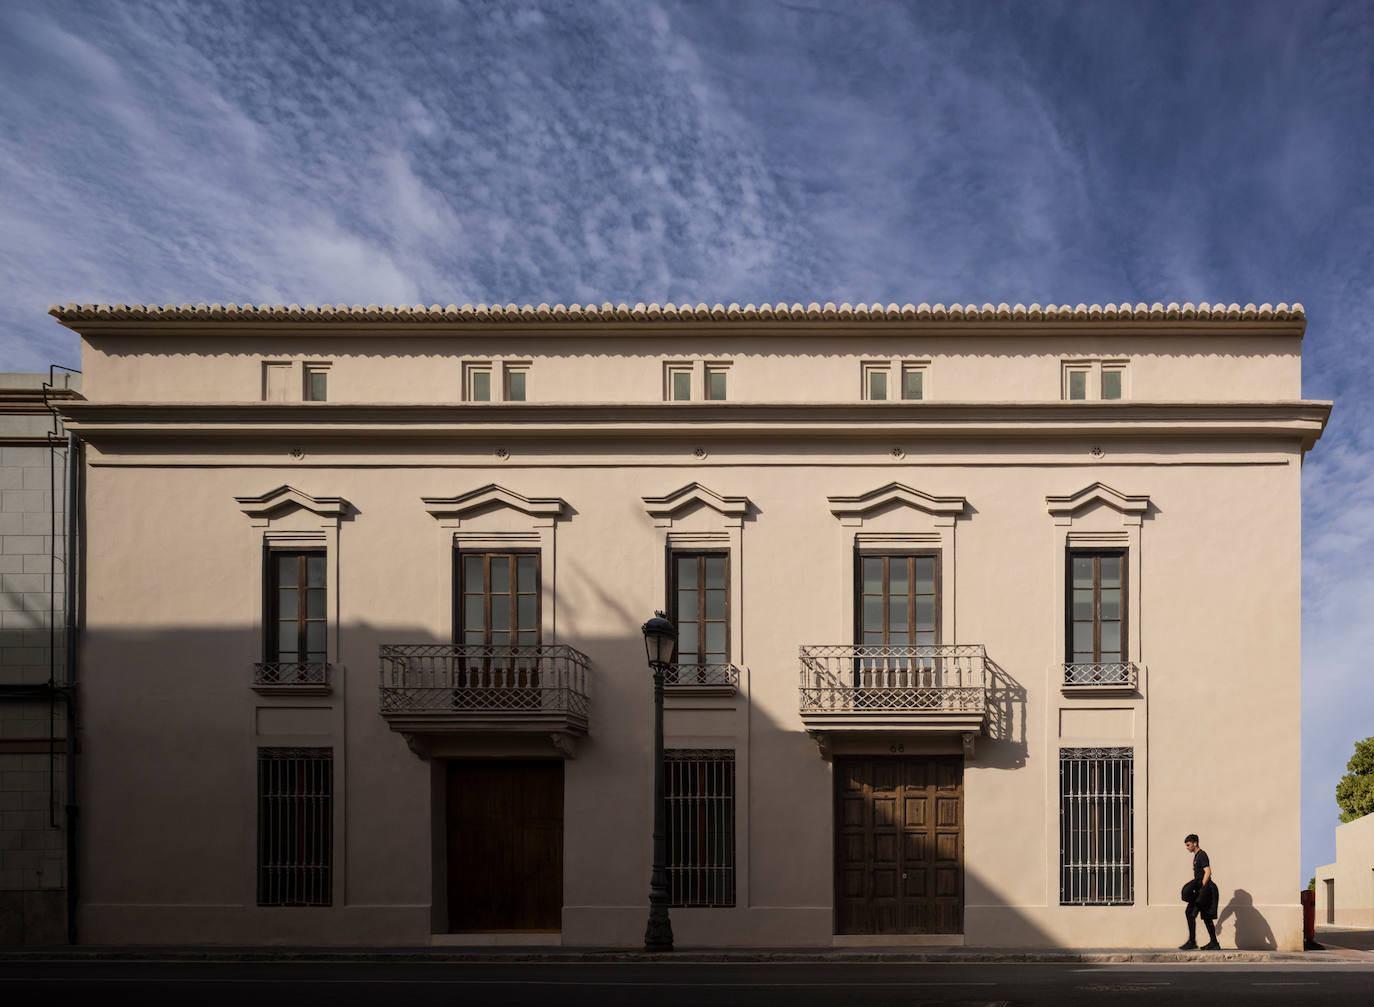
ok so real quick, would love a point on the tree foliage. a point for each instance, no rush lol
(1355, 792)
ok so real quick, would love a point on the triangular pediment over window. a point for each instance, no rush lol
(1065, 508)
(494, 497)
(694, 494)
(284, 499)
(853, 509)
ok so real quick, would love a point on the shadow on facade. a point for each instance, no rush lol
(1251, 930)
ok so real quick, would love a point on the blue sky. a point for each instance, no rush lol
(737, 151)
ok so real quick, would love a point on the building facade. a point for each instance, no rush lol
(35, 680)
(1345, 889)
(979, 611)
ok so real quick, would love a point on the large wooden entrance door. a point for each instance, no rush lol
(505, 845)
(899, 845)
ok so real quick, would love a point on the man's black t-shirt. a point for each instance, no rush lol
(1199, 862)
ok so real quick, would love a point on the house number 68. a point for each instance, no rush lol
(897, 748)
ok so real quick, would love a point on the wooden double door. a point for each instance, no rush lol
(899, 845)
(505, 845)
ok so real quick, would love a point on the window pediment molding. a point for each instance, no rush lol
(852, 510)
(1065, 508)
(452, 510)
(285, 499)
(664, 509)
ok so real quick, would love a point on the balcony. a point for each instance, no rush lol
(1117, 678)
(434, 689)
(701, 680)
(855, 687)
(299, 678)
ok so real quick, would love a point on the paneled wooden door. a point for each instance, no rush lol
(899, 845)
(505, 845)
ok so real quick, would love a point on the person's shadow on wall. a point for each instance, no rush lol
(1252, 931)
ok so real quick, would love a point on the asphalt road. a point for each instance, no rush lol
(597, 984)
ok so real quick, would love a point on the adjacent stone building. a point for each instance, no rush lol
(964, 599)
(33, 658)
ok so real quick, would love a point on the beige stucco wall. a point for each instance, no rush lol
(174, 608)
(1345, 889)
(629, 368)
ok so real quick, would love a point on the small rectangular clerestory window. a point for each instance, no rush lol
(316, 387)
(276, 380)
(1094, 379)
(914, 380)
(715, 381)
(875, 378)
(677, 381)
(516, 381)
(477, 381)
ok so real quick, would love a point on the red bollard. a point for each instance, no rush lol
(1308, 898)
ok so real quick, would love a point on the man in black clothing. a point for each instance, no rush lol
(1205, 900)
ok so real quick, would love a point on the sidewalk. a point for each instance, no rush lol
(686, 955)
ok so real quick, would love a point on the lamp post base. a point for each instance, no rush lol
(658, 935)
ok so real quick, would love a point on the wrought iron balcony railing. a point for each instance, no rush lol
(1113, 675)
(291, 676)
(856, 678)
(702, 676)
(443, 680)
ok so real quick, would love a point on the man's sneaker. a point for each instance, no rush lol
(1188, 945)
(1211, 946)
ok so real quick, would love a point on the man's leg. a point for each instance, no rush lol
(1191, 942)
(1212, 944)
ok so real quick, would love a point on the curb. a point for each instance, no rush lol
(552, 955)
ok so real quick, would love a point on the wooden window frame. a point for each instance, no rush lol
(1097, 555)
(917, 367)
(271, 613)
(860, 556)
(459, 555)
(700, 555)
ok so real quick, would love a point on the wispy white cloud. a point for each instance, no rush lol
(710, 150)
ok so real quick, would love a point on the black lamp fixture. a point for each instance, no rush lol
(660, 639)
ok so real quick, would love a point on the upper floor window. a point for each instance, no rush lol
(886, 379)
(686, 380)
(316, 382)
(898, 600)
(297, 611)
(1096, 607)
(715, 381)
(701, 608)
(499, 595)
(1094, 379)
(276, 380)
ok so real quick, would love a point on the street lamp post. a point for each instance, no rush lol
(660, 638)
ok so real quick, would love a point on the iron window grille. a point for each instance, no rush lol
(699, 797)
(295, 826)
(1096, 838)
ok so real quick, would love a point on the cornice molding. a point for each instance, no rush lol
(510, 422)
(456, 508)
(285, 496)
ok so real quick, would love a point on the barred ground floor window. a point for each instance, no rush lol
(699, 794)
(295, 826)
(1096, 840)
